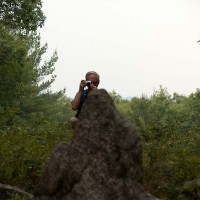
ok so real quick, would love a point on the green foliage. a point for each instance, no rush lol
(24, 82)
(160, 114)
(17, 196)
(121, 104)
(193, 104)
(13, 52)
(25, 150)
(21, 16)
(169, 128)
(33, 119)
(116, 97)
(170, 143)
(171, 166)
(190, 186)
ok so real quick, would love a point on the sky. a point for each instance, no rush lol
(136, 46)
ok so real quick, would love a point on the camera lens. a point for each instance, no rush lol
(88, 83)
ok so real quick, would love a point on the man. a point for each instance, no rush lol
(91, 82)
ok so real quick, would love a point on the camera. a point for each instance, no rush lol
(88, 83)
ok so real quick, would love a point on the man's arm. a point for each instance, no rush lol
(76, 101)
(77, 98)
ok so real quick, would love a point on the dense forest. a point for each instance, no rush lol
(33, 118)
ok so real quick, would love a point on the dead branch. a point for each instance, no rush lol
(9, 187)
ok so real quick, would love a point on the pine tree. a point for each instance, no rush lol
(24, 81)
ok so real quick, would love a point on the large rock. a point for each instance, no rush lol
(104, 161)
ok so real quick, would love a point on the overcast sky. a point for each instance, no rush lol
(135, 45)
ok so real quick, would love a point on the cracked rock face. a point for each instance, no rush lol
(103, 162)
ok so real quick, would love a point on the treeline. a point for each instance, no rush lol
(25, 80)
(169, 126)
(162, 113)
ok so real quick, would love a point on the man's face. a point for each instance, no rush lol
(93, 79)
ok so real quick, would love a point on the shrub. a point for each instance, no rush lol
(171, 166)
(23, 152)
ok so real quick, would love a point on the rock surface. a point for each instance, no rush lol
(103, 162)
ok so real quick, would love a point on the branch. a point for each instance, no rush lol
(9, 187)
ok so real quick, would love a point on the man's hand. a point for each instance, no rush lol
(93, 87)
(82, 85)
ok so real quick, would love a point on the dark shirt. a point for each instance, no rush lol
(83, 97)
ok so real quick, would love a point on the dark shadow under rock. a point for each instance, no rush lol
(103, 162)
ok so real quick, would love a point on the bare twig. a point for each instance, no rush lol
(9, 187)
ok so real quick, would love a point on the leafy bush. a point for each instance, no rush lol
(171, 166)
(23, 152)
(169, 128)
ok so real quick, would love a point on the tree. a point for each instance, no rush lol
(193, 111)
(24, 89)
(116, 97)
(157, 115)
(25, 82)
(21, 16)
(13, 53)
